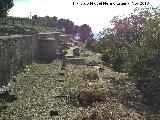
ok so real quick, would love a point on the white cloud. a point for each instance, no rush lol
(97, 17)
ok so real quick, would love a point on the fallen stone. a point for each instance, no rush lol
(101, 69)
(61, 73)
(7, 97)
(54, 113)
(63, 68)
(60, 81)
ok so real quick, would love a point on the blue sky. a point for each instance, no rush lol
(97, 17)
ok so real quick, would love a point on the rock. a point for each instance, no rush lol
(4, 94)
(61, 73)
(11, 98)
(60, 81)
(63, 64)
(76, 52)
(7, 97)
(101, 69)
(96, 67)
(54, 113)
(63, 68)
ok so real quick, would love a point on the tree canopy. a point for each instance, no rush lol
(132, 45)
(85, 32)
(5, 6)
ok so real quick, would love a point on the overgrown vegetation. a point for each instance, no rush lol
(133, 46)
(47, 24)
(45, 91)
(44, 94)
(144, 64)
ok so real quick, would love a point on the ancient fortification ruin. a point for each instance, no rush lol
(16, 51)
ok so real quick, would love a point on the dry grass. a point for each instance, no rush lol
(112, 97)
(88, 97)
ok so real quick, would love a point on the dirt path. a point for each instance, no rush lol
(43, 92)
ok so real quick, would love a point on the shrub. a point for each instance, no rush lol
(113, 59)
(87, 98)
(143, 62)
(117, 63)
(137, 52)
(92, 63)
(90, 44)
(92, 75)
(146, 73)
(64, 52)
(105, 58)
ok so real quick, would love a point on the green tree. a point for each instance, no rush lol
(85, 32)
(124, 32)
(143, 60)
(5, 6)
(90, 44)
(67, 24)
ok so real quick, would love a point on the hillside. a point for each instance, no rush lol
(78, 92)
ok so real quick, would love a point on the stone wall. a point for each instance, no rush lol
(15, 52)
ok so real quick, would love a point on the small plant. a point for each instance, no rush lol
(92, 63)
(63, 68)
(101, 69)
(61, 73)
(90, 75)
(64, 52)
(3, 105)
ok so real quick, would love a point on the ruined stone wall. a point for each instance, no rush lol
(15, 52)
